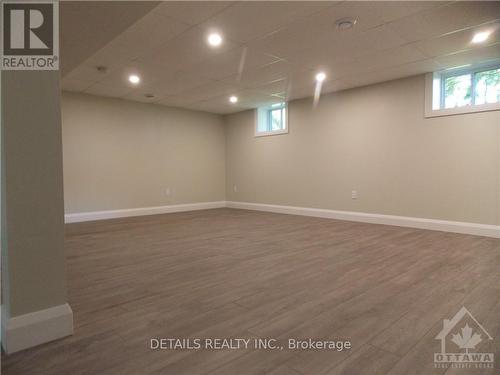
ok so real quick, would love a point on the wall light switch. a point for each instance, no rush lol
(168, 192)
(235, 188)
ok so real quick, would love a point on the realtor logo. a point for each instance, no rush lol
(465, 332)
(30, 35)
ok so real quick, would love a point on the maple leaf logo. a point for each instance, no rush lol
(466, 340)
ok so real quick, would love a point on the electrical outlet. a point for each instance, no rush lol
(354, 194)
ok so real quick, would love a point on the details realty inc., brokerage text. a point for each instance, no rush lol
(246, 343)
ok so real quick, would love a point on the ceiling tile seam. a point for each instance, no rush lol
(286, 26)
(435, 37)
(469, 49)
(175, 37)
(413, 45)
(161, 15)
(152, 11)
(497, 20)
(224, 78)
(449, 3)
(232, 4)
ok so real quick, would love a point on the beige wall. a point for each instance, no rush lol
(33, 273)
(120, 154)
(374, 140)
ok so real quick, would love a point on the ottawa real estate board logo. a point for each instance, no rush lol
(30, 39)
(462, 339)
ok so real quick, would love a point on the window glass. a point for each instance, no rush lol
(271, 119)
(276, 119)
(458, 91)
(463, 89)
(487, 87)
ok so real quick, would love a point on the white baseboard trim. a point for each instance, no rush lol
(25, 331)
(114, 214)
(400, 221)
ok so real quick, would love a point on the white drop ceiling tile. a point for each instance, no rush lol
(283, 87)
(393, 10)
(284, 43)
(371, 14)
(153, 70)
(455, 42)
(232, 62)
(256, 98)
(174, 101)
(139, 95)
(102, 90)
(414, 68)
(309, 90)
(259, 76)
(154, 79)
(118, 77)
(248, 20)
(246, 99)
(330, 57)
(378, 39)
(264, 101)
(380, 60)
(346, 46)
(315, 32)
(475, 56)
(75, 85)
(217, 106)
(278, 87)
(186, 50)
(176, 84)
(111, 56)
(406, 70)
(297, 92)
(302, 88)
(151, 31)
(87, 72)
(213, 108)
(335, 85)
(191, 12)
(306, 77)
(446, 19)
(296, 89)
(209, 90)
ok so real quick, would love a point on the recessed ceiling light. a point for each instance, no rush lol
(345, 23)
(233, 99)
(134, 79)
(215, 39)
(149, 96)
(480, 37)
(320, 77)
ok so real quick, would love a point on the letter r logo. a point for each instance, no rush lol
(28, 29)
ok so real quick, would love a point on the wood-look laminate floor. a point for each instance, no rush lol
(234, 273)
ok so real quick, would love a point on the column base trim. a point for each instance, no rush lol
(25, 331)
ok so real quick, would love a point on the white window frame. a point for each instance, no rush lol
(269, 109)
(434, 91)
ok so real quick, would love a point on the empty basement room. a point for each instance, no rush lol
(250, 187)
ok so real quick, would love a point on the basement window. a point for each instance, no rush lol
(271, 119)
(463, 90)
